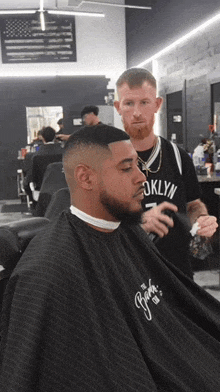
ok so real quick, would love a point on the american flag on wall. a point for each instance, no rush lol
(23, 41)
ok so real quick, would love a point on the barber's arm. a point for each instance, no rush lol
(156, 221)
(62, 137)
(198, 212)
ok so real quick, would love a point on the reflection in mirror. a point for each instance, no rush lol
(38, 117)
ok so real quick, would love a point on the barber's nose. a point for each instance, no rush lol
(137, 111)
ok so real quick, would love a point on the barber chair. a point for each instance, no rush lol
(53, 180)
(60, 201)
(22, 194)
(14, 238)
(40, 163)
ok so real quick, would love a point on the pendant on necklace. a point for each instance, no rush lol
(144, 167)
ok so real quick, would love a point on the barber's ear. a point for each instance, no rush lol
(84, 176)
(159, 102)
(117, 106)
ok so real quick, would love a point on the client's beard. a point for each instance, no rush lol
(119, 210)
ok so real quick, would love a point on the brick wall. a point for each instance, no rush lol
(196, 63)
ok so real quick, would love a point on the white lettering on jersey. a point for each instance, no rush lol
(161, 188)
(150, 205)
(172, 191)
(166, 187)
(147, 188)
(153, 187)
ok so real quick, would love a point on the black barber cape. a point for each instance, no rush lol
(87, 311)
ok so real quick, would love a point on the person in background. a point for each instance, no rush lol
(171, 183)
(89, 115)
(37, 142)
(92, 305)
(49, 146)
(61, 126)
(199, 153)
(61, 136)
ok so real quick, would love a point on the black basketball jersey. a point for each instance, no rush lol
(171, 178)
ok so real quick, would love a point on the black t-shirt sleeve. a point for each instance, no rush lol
(193, 190)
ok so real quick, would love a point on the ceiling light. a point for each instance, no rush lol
(76, 13)
(114, 5)
(17, 12)
(42, 21)
(41, 5)
(42, 11)
(25, 73)
(180, 40)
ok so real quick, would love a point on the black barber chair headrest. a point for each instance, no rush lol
(14, 238)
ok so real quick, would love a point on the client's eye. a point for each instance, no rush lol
(127, 169)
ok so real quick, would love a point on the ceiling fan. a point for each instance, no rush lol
(42, 10)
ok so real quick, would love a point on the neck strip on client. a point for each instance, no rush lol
(101, 223)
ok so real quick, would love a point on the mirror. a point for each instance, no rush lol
(43, 116)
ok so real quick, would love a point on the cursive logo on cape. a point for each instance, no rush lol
(149, 295)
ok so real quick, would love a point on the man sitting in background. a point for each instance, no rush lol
(92, 305)
(49, 147)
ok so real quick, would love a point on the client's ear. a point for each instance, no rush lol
(83, 176)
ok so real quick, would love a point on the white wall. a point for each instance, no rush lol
(101, 49)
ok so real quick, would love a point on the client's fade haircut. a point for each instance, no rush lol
(90, 109)
(101, 135)
(48, 134)
(135, 77)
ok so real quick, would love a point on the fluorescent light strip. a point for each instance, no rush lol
(77, 13)
(42, 21)
(39, 73)
(29, 74)
(114, 5)
(17, 12)
(180, 40)
(41, 5)
(54, 12)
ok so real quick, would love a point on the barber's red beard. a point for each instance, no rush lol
(139, 132)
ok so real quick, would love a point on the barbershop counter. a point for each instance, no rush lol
(213, 178)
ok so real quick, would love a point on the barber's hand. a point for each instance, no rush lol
(207, 225)
(155, 221)
(62, 137)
